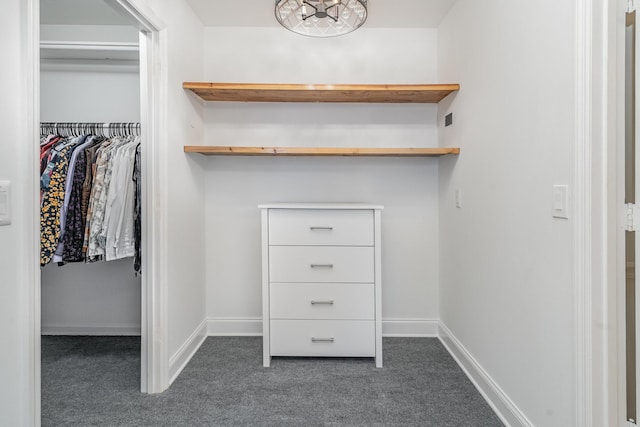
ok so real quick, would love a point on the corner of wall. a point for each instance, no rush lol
(179, 360)
(503, 406)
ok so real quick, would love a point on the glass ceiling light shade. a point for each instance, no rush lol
(321, 18)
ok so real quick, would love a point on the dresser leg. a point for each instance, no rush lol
(266, 361)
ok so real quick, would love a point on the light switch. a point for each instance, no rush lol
(561, 201)
(5, 202)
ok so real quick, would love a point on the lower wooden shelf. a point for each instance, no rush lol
(211, 150)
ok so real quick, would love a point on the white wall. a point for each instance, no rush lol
(104, 297)
(275, 55)
(91, 299)
(84, 33)
(16, 240)
(506, 265)
(92, 93)
(184, 267)
(407, 187)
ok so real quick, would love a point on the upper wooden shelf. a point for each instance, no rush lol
(318, 151)
(252, 92)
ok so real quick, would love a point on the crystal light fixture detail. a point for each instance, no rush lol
(321, 18)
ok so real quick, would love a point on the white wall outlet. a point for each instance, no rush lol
(560, 201)
(458, 198)
(5, 202)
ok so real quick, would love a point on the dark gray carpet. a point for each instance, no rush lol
(94, 381)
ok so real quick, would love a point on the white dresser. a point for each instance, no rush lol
(321, 280)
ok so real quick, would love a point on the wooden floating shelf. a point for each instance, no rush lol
(252, 92)
(319, 151)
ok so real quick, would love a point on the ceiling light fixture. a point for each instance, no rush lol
(321, 18)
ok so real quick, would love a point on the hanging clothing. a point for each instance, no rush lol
(102, 203)
(52, 159)
(99, 168)
(90, 199)
(71, 169)
(70, 248)
(137, 218)
(117, 228)
(53, 200)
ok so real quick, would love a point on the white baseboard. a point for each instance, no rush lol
(234, 326)
(92, 330)
(410, 328)
(252, 326)
(504, 407)
(179, 360)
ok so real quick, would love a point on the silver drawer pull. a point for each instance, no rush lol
(321, 265)
(326, 302)
(322, 339)
(321, 228)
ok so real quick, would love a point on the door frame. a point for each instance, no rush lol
(154, 372)
(594, 214)
(154, 331)
(587, 178)
(604, 373)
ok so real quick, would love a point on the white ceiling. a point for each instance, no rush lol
(382, 13)
(246, 13)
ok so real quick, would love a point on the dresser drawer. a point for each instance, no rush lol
(333, 338)
(322, 301)
(321, 227)
(321, 264)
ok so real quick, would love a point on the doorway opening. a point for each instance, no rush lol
(101, 70)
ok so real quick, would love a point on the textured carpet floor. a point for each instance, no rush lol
(94, 381)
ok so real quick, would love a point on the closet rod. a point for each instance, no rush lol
(85, 128)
